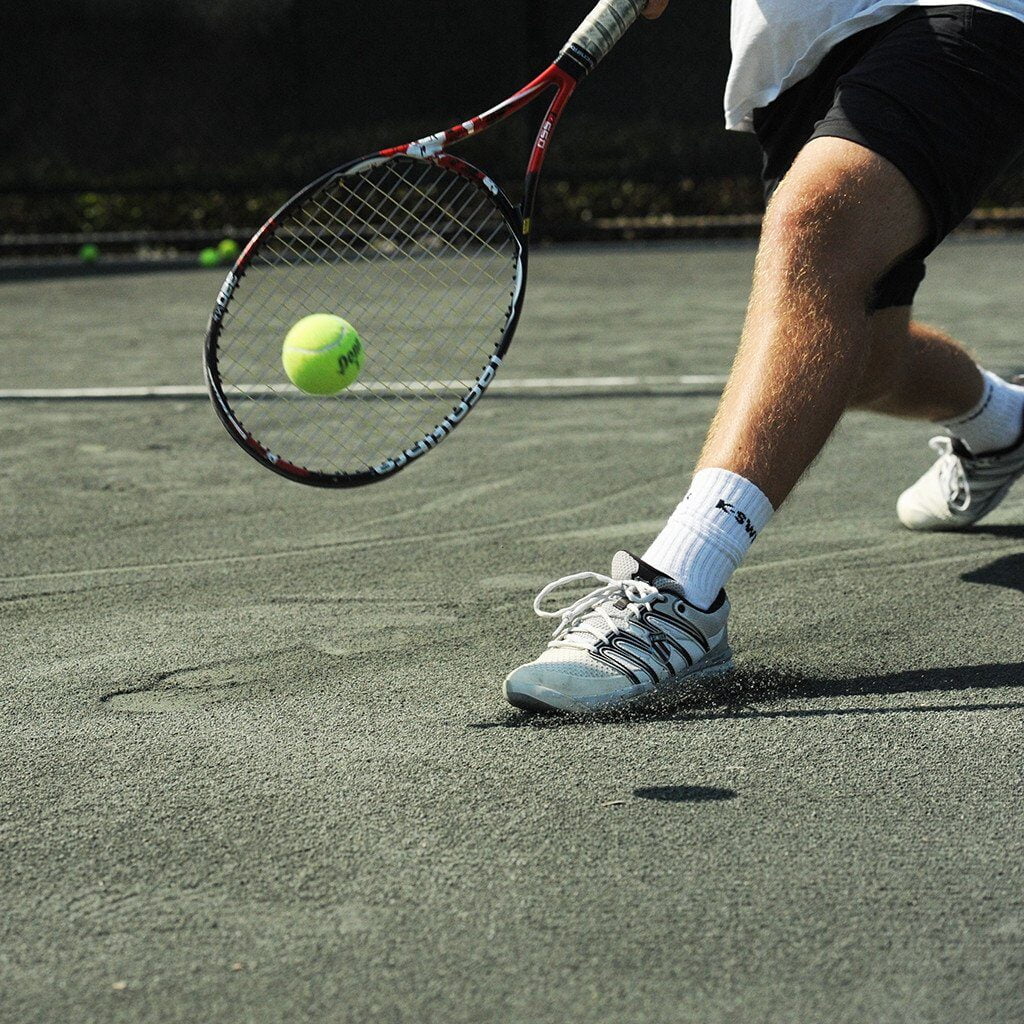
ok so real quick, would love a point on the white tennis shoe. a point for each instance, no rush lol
(633, 637)
(960, 488)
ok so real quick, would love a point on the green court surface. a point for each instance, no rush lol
(256, 763)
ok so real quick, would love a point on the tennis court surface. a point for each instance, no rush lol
(256, 762)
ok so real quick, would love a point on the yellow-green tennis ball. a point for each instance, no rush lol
(228, 250)
(89, 253)
(322, 354)
(209, 258)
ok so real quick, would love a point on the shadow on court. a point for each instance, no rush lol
(684, 794)
(1007, 571)
(1011, 531)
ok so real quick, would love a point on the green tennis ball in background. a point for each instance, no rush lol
(89, 253)
(209, 258)
(228, 250)
(322, 354)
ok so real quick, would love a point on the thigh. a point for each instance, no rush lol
(941, 96)
(843, 217)
(938, 92)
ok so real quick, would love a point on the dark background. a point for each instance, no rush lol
(129, 114)
(119, 113)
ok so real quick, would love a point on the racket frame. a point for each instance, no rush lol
(397, 460)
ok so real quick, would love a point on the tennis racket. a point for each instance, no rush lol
(425, 256)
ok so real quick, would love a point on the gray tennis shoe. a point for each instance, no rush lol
(631, 638)
(960, 488)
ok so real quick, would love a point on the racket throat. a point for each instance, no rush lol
(566, 85)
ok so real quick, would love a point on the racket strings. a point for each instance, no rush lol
(431, 230)
(422, 262)
(427, 315)
(416, 383)
(292, 253)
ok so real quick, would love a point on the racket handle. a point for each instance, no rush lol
(603, 28)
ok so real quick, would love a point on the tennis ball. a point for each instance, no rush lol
(322, 354)
(228, 250)
(89, 253)
(209, 258)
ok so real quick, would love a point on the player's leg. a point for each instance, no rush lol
(938, 94)
(841, 218)
(915, 371)
(661, 621)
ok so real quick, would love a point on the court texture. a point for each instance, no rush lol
(257, 767)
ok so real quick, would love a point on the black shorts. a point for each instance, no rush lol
(936, 91)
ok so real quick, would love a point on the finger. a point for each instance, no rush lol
(655, 8)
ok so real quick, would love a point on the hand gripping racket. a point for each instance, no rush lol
(425, 256)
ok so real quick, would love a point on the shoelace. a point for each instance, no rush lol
(635, 593)
(952, 476)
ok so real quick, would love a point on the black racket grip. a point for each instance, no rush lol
(606, 24)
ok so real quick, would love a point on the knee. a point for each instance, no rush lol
(821, 232)
(842, 215)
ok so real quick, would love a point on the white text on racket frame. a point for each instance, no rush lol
(447, 425)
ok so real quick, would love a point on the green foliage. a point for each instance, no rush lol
(91, 212)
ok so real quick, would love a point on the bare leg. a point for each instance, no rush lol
(842, 217)
(916, 371)
(811, 348)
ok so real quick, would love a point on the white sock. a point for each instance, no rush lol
(709, 533)
(995, 422)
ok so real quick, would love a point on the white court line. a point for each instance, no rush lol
(509, 385)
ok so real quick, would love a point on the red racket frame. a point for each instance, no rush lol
(558, 77)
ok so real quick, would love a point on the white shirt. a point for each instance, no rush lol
(775, 43)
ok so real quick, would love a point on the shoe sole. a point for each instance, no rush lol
(542, 699)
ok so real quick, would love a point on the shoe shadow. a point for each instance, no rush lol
(1014, 531)
(1007, 571)
(751, 692)
(684, 794)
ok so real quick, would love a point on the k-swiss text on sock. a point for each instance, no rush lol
(740, 518)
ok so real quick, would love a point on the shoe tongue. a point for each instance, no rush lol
(626, 566)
